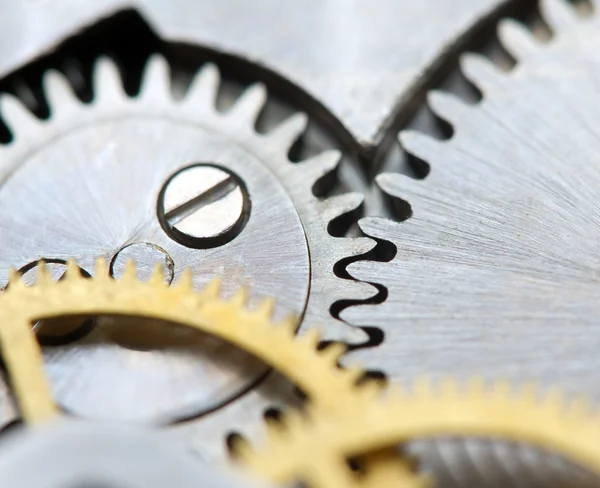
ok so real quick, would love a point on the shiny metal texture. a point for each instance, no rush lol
(78, 454)
(362, 63)
(94, 199)
(496, 267)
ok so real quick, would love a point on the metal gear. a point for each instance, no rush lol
(329, 389)
(175, 181)
(84, 454)
(495, 269)
(316, 450)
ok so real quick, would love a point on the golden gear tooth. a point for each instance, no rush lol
(501, 390)
(186, 280)
(101, 270)
(579, 408)
(130, 273)
(354, 373)
(312, 337)
(43, 276)
(158, 275)
(73, 270)
(528, 392)
(449, 387)
(476, 386)
(213, 288)
(395, 419)
(15, 279)
(553, 400)
(328, 391)
(392, 472)
(288, 326)
(242, 449)
(266, 308)
(423, 387)
(240, 299)
(334, 352)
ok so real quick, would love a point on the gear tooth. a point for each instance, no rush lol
(15, 279)
(447, 106)
(288, 132)
(579, 408)
(501, 390)
(156, 80)
(186, 280)
(517, 40)
(213, 289)
(312, 337)
(315, 168)
(559, 15)
(334, 352)
(354, 373)
(449, 387)
(58, 91)
(421, 145)
(554, 400)
(476, 387)
(204, 88)
(43, 276)
(158, 275)
(242, 449)
(240, 299)
(247, 108)
(289, 325)
(73, 270)
(265, 308)
(480, 71)
(130, 273)
(423, 387)
(275, 432)
(528, 393)
(101, 269)
(372, 389)
(107, 80)
(338, 205)
(16, 115)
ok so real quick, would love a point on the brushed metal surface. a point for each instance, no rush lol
(359, 60)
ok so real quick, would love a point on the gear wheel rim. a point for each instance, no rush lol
(307, 445)
(315, 371)
(324, 252)
(238, 124)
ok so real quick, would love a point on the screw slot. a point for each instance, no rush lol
(203, 206)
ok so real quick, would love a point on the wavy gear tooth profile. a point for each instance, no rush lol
(97, 171)
(496, 268)
(330, 389)
(198, 106)
(314, 449)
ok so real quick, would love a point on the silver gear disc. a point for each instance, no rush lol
(87, 183)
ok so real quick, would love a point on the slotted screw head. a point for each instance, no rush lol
(203, 206)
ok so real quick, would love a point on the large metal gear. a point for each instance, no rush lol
(497, 253)
(182, 184)
(315, 450)
(495, 269)
(362, 64)
(329, 389)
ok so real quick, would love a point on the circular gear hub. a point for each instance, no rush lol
(174, 182)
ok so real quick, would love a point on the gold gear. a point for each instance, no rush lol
(313, 449)
(329, 388)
